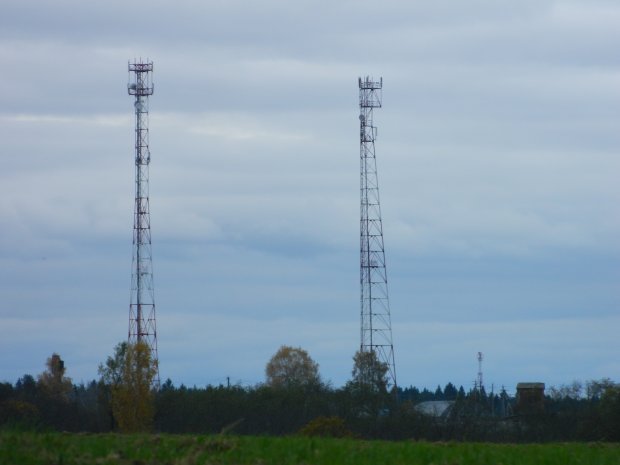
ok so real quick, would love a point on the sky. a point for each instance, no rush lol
(498, 158)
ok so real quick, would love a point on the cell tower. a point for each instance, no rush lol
(479, 383)
(142, 327)
(376, 326)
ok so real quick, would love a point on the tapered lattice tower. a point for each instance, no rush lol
(142, 326)
(376, 326)
(479, 382)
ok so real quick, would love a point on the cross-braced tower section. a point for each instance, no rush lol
(376, 326)
(479, 382)
(142, 325)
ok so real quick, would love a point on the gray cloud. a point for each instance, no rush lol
(497, 159)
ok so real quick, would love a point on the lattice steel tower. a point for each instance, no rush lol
(479, 382)
(142, 325)
(376, 326)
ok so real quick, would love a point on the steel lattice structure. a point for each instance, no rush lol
(479, 383)
(142, 325)
(376, 326)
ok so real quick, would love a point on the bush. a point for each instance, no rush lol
(17, 411)
(332, 427)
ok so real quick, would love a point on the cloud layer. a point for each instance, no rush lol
(497, 154)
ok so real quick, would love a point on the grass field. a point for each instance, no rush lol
(26, 448)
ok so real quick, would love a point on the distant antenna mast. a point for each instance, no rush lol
(142, 327)
(480, 385)
(376, 326)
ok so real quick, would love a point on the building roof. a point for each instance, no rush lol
(531, 386)
(435, 408)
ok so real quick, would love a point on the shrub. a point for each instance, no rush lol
(332, 427)
(17, 411)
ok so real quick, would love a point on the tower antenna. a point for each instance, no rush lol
(142, 326)
(376, 326)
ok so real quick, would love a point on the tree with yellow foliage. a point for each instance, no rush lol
(53, 381)
(130, 375)
(292, 367)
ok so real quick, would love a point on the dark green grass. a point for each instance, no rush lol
(26, 448)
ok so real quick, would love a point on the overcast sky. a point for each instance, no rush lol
(498, 156)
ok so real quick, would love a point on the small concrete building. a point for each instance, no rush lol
(530, 397)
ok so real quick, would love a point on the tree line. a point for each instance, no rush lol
(295, 400)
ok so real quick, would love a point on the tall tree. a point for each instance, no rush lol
(368, 390)
(610, 411)
(450, 392)
(53, 381)
(112, 372)
(369, 372)
(130, 375)
(292, 367)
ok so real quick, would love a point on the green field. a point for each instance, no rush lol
(21, 448)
